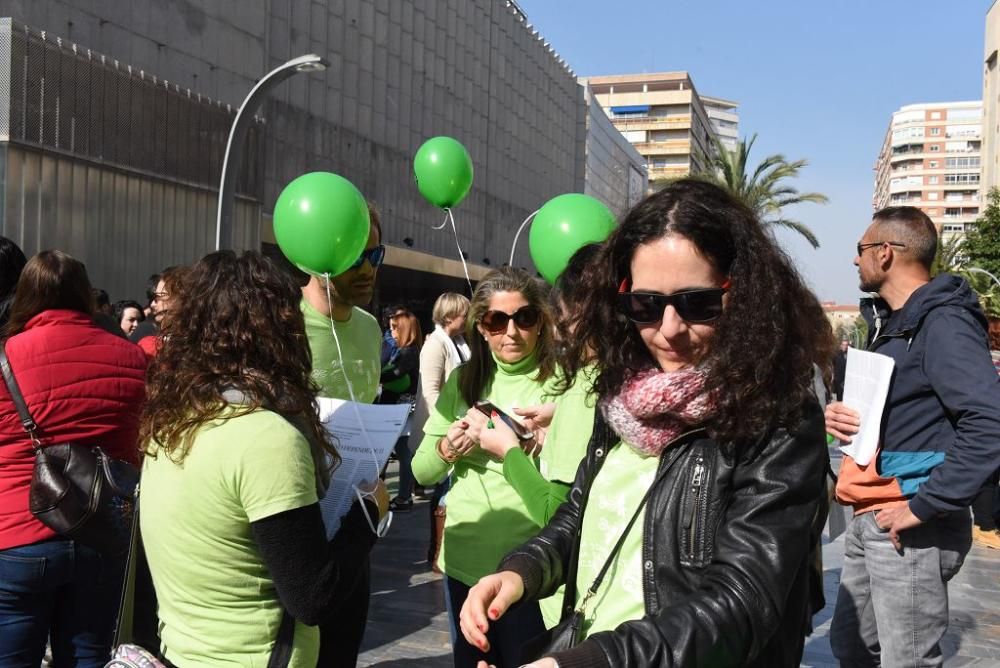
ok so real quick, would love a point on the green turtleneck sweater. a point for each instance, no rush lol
(486, 516)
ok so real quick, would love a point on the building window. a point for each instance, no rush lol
(935, 131)
(935, 148)
(961, 163)
(961, 178)
(932, 196)
(935, 115)
(931, 180)
(951, 212)
(932, 164)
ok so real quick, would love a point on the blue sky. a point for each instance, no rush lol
(814, 80)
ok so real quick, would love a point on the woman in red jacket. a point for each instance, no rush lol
(82, 385)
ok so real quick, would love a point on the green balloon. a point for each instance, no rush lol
(443, 170)
(321, 223)
(564, 225)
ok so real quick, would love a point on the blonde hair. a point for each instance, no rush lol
(449, 306)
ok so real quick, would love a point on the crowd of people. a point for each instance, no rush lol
(619, 473)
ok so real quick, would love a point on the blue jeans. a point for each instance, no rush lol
(518, 625)
(892, 607)
(61, 589)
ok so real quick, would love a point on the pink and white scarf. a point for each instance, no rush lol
(654, 407)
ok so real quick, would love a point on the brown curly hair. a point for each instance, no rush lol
(235, 324)
(771, 336)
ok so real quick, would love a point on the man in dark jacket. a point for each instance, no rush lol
(939, 442)
(840, 369)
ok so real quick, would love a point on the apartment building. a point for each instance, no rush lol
(665, 118)
(991, 103)
(725, 120)
(930, 158)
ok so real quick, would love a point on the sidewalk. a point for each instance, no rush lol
(407, 625)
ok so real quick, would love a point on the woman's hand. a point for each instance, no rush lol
(537, 419)
(477, 423)
(499, 440)
(487, 601)
(456, 443)
(541, 663)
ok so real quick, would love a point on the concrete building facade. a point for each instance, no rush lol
(400, 72)
(930, 158)
(665, 118)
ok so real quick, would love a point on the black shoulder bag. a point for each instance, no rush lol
(77, 490)
(566, 634)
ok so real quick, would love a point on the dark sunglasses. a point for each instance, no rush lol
(375, 257)
(700, 305)
(525, 317)
(863, 247)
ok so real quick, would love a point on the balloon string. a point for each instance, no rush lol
(443, 222)
(350, 385)
(513, 246)
(461, 255)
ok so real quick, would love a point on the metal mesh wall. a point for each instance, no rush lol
(71, 99)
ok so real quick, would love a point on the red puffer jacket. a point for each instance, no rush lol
(81, 384)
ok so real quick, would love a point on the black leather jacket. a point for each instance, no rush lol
(726, 552)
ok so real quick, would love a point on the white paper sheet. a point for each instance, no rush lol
(866, 386)
(362, 459)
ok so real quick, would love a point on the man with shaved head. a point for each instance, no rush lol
(939, 442)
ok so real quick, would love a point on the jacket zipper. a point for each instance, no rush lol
(646, 547)
(697, 477)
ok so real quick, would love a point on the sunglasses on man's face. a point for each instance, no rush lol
(525, 317)
(699, 305)
(375, 257)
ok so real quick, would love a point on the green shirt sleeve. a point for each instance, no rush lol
(541, 497)
(428, 467)
(275, 471)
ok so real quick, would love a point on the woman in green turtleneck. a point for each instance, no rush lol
(513, 357)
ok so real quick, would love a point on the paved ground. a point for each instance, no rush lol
(408, 626)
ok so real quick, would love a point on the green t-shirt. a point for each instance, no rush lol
(361, 342)
(570, 430)
(486, 516)
(614, 496)
(217, 602)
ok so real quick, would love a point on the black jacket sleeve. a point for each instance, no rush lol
(406, 362)
(313, 576)
(958, 366)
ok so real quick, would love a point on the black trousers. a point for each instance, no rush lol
(986, 505)
(341, 633)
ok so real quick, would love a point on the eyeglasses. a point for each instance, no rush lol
(863, 247)
(375, 257)
(700, 305)
(525, 317)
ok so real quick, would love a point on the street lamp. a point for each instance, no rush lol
(238, 133)
(977, 270)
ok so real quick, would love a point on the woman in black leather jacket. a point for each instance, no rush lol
(708, 435)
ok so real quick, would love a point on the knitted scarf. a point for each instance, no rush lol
(654, 407)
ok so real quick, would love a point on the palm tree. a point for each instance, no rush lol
(762, 190)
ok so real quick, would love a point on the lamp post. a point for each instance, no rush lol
(238, 133)
(977, 270)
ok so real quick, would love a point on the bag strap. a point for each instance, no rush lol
(592, 590)
(15, 394)
(126, 604)
(281, 653)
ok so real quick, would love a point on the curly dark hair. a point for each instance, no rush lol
(477, 373)
(772, 332)
(236, 323)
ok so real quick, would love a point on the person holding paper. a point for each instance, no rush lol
(700, 490)
(350, 372)
(939, 441)
(512, 358)
(235, 462)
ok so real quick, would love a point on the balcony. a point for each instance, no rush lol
(651, 122)
(668, 172)
(672, 147)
